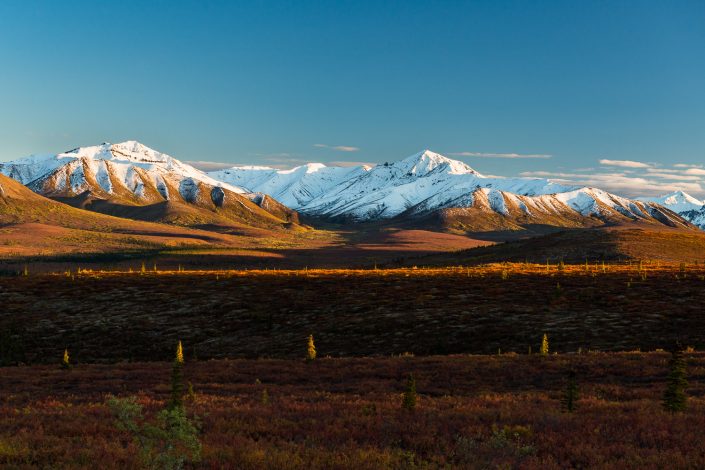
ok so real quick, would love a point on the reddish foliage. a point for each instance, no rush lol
(473, 412)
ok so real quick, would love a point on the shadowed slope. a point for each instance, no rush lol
(629, 241)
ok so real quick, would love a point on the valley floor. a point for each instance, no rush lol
(501, 411)
(111, 316)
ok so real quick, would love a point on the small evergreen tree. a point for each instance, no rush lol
(544, 345)
(408, 401)
(311, 349)
(570, 396)
(674, 398)
(177, 380)
(65, 362)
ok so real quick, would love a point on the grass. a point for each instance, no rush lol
(260, 405)
(472, 412)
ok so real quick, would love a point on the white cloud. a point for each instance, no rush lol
(620, 183)
(672, 176)
(685, 165)
(624, 163)
(209, 166)
(499, 155)
(339, 148)
(348, 164)
(695, 171)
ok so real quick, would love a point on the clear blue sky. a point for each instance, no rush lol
(263, 82)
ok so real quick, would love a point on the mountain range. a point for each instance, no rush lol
(432, 190)
(127, 196)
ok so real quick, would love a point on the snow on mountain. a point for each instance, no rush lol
(426, 183)
(685, 205)
(128, 169)
(678, 201)
(383, 191)
(294, 188)
(696, 217)
(132, 180)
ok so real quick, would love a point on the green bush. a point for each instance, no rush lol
(168, 443)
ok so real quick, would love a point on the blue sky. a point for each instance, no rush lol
(510, 87)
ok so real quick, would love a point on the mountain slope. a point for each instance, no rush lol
(608, 243)
(132, 180)
(428, 188)
(33, 225)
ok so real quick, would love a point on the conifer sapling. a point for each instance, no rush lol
(674, 398)
(311, 350)
(570, 396)
(408, 401)
(177, 380)
(544, 345)
(65, 362)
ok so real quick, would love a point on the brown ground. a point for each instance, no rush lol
(630, 241)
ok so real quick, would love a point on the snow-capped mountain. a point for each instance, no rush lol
(295, 187)
(120, 179)
(429, 185)
(126, 169)
(678, 201)
(685, 205)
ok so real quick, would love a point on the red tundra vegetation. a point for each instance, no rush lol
(471, 412)
(260, 404)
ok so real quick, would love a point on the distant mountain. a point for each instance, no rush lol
(678, 201)
(685, 205)
(132, 180)
(428, 188)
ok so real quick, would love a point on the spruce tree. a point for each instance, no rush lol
(674, 398)
(570, 396)
(311, 349)
(177, 380)
(65, 362)
(408, 401)
(544, 345)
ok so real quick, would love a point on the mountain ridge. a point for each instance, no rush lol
(430, 186)
(131, 180)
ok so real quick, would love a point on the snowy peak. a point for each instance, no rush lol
(129, 171)
(677, 201)
(128, 151)
(426, 162)
(427, 185)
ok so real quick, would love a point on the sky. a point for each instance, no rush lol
(609, 93)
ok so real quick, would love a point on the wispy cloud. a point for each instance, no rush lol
(500, 155)
(348, 164)
(339, 148)
(625, 163)
(209, 166)
(620, 183)
(686, 165)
